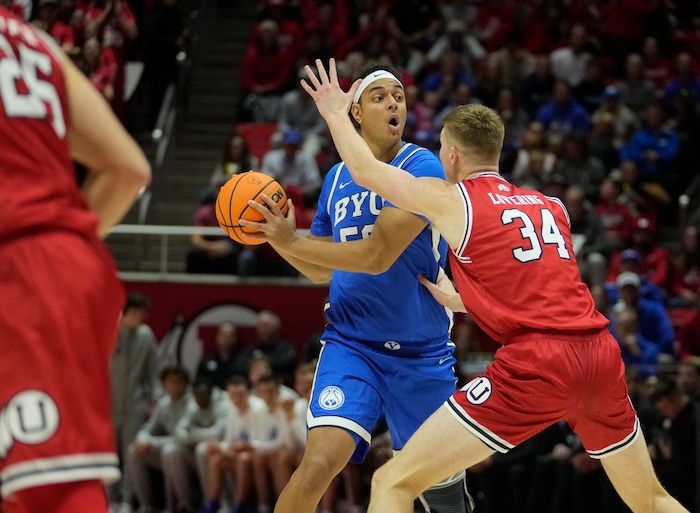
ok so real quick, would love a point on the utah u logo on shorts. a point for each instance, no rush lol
(478, 390)
(31, 417)
(331, 398)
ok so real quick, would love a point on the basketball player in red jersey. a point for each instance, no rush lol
(516, 273)
(60, 297)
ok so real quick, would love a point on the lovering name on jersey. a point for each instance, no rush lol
(359, 201)
(515, 199)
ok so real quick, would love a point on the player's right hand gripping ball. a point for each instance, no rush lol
(232, 203)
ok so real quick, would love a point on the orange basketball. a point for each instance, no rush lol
(232, 203)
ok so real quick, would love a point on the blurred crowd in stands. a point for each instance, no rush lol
(100, 36)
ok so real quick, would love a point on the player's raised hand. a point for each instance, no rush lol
(326, 91)
(276, 229)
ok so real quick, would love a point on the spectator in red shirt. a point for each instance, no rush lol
(209, 253)
(47, 20)
(330, 18)
(114, 23)
(624, 23)
(290, 34)
(264, 74)
(657, 68)
(614, 214)
(656, 262)
(100, 66)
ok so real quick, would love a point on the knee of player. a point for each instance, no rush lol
(384, 479)
(317, 470)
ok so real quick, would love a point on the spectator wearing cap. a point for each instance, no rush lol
(298, 111)
(630, 262)
(655, 263)
(624, 120)
(654, 323)
(291, 165)
(673, 448)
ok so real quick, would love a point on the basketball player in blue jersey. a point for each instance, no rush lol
(386, 349)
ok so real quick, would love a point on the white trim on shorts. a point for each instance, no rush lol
(619, 446)
(335, 421)
(60, 469)
(484, 434)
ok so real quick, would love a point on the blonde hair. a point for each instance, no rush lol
(476, 129)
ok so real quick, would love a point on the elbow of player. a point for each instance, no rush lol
(320, 277)
(377, 263)
(140, 172)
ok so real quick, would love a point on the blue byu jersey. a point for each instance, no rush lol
(390, 311)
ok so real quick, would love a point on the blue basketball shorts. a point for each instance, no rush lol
(355, 386)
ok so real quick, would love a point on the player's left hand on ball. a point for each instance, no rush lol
(276, 228)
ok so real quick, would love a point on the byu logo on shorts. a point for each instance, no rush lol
(393, 346)
(478, 390)
(31, 417)
(331, 398)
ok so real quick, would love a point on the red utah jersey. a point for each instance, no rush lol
(536, 284)
(39, 190)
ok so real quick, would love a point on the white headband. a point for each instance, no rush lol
(372, 77)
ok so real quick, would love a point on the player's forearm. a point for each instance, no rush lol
(315, 273)
(352, 256)
(110, 197)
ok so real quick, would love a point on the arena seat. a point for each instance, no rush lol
(258, 136)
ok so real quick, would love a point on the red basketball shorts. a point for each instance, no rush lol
(539, 379)
(60, 301)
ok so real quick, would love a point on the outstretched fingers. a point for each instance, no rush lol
(322, 70)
